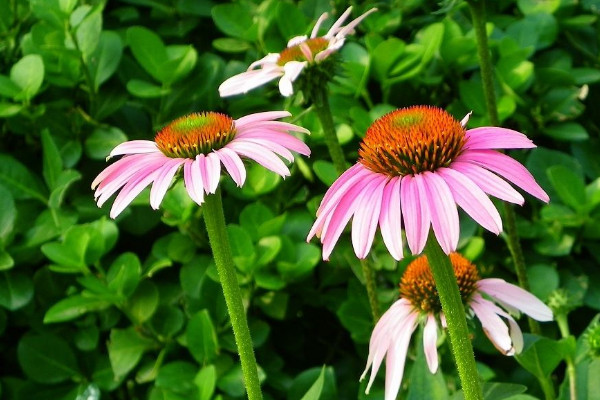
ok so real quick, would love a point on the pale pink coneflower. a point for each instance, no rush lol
(417, 164)
(419, 301)
(301, 52)
(199, 143)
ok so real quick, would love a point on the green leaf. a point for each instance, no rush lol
(230, 45)
(178, 377)
(28, 74)
(106, 57)
(422, 383)
(206, 380)
(125, 349)
(73, 307)
(568, 131)
(305, 380)
(70, 253)
(17, 178)
(149, 50)
(242, 248)
(124, 274)
(538, 6)
(102, 140)
(146, 90)
(543, 279)
(16, 290)
(325, 171)
(167, 321)
(570, 187)
(540, 355)
(202, 338)
(63, 183)
(253, 216)
(9, 109)
(88, 31)
(52, 162)
(6, 261)
(314, 393)
(143, 302)
(8, 88)
(259, 181)
(8, 213)
(235, 20)
(46, 358)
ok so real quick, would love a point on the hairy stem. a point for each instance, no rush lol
(456, 319)
(487, 77)
(219, 242)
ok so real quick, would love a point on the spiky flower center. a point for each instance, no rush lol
(295, 53)
(197, 133)
(418, 286)
(412, 140)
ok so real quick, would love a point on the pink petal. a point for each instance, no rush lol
(506, 167)
(493, 326)
(261, 155)
(283, 139)
(364, 223)
(472, 199)
(390, 218)
(465, 120)
(489, 137)
(396, 356)
(296, 40)
(488, 182)
(233, 164)
(430, 343)
(250, 119)
(336, 26)
(163, 181)
(306, 51)
(126, 165)
(291, 71)
(135, 147)
(516, 297)
(106, 172)
(130, 191)
(415, 212)
(260, 126)
(444, 215)
(269, 145)
(246, 81)
(212, 173)
(315, 30)
(188, 179)
(342, 213)
(348, 29)
(270, 58)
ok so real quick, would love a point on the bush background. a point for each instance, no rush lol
(131, 309)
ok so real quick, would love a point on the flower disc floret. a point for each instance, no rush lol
(194, 134)
(419, 288)
(412, 140)
(296, 53)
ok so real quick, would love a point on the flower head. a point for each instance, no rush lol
(301, 52)
(416, 165)
(199, 143)
(419, 302)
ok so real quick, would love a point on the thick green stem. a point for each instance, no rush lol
(456, 319)
(323, 110)
(487, 77)
(371, 289)
(563, 326)
(219, 242)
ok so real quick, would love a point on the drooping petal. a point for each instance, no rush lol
(515, 332)
(131, 190)
(415, 212)
(233, 164)
(134, 147)
(261, 155)
(390, 218)
(430, 343)
(126, 165)
(270, 126)
(493, 326)
(472, 199)
(269, 145)
(396, 356)
(444, 215)
(489, 182)
(196, 178)
(163, 181)
(506, 167)
(296, 40)
(246, 81)
(212, 173)
(270, 58)
(188, 180)
(246, 122)
(282, 139)
(515, 297)
(489, 137)
(364, 223)
(291, 71)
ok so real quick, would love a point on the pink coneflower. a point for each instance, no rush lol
(420, 300)
(199, 142)
(418, 164)
(301, 52)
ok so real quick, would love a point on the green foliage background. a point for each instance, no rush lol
(131, 309)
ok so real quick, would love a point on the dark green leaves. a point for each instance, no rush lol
(47, 359)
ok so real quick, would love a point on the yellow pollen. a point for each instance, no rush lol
(412, 140)
(418, 286)
(294, 53)
(197, 133)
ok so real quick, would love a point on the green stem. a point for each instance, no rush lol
(454, 311)
(371, 288)
(219, 242)
(321, 104)
(487, 77)
(563, 326)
